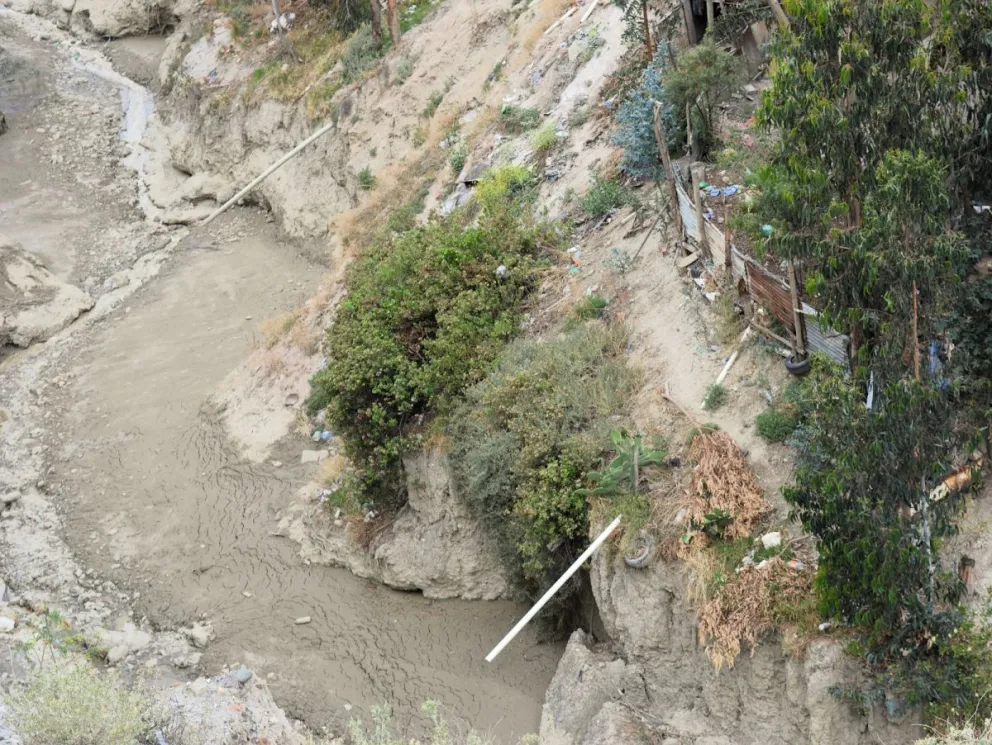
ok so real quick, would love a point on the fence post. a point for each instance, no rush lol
(659, 135)
(697, 170)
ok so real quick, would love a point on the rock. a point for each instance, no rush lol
(302, 620)
(200, 634)
(3, 123)
(313, 456)
(115, 645)
(6, 624)
(615, 725)
(771, 540)
(8, 498)
(34, 303)
(583, 683)
(188, 660)
(243, 675)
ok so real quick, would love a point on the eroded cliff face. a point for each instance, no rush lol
(655, 676)
(433, 545)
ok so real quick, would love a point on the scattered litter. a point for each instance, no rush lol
(302, 620)
(796, 564)
(246, 594)
(714, 191)
(771, 540)
(825, 625)
(767, 230)
(315, 436)
(325, 435)
(283, 23)
(501, 270)
(729, 191)
(704, 185)
(709, 214)
(714, 348)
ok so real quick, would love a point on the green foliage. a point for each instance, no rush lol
(857, 472)
(545, 139)
(518, 119)
(703, 78)
(433, 102)
(425, 315)
(579, 116)
(457, 160)
(635, 32)
(403, 69)
(776, 423)
(716, 396)
(72, 705)
(871, 215)
(604, 196)
(366, 181)
(382, 734)
(526, 438)
(591, 306)
(413, 13)
(635, 121)
(405, 218)
(361, 55)
(622, 474)
(347, 15)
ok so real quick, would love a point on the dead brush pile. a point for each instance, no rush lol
(722, 480)
(750, 604)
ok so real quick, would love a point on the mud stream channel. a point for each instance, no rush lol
(153, 496)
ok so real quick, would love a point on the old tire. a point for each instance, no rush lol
(641, 553)
(797, 367)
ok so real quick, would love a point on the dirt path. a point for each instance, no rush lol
(112, 421)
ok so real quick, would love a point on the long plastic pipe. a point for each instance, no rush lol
(554, 588)
(268, 172)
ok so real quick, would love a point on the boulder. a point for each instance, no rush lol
(117, 644)
(34, 303)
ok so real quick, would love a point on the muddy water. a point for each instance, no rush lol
(160, 502)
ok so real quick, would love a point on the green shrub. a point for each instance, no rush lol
(518, 119)
(440, 731)
(545, 139)
(578, 117)
(605, 195)
(591, 306)
(425, 315)
(525, 439)
(433, 102)
(776, 424)
(403, 70)
(79, 705)
(457, 160)
(405, 217)
(716, 396)
(360, 56)
(366, 181)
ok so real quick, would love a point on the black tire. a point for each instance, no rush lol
(800, 367)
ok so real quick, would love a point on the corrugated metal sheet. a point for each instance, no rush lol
(738, 264)
(825, 340)
(772, 292)
(688, 211)
(716, 242)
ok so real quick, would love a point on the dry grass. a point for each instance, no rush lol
(332, 469)
(747, 607)
(548, 12)
(722, 480)
(274, 329)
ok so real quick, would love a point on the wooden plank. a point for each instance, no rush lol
(690, 25)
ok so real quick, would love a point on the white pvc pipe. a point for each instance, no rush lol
(268, 172)
(554, 588)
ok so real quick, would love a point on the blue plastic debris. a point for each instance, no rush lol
(767, 230)
(708, 214)
(713, 191)
(729, 191)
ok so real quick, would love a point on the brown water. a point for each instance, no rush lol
(162, 504)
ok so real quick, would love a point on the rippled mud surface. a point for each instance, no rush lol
(160, 502)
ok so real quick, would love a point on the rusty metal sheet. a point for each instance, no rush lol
(688, 211)
(772, 292)
(716, 242)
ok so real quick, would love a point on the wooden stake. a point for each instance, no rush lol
(710, 16)
(647, 30)
(697, 170)
(690, 25)
(659, 135)
(797, 313)
(916, 338)
(780, 16)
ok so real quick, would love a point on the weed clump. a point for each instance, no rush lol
(366, 181)
(604, 196)
(776, 424)
(69, 706)
(545, 139)
(518, 119)
(360, 56)
(526, 438)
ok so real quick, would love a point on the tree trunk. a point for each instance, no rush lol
(377, 22)
(275, 12)
(394, 22)
(647, 31)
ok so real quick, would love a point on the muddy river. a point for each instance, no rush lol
(154, 497)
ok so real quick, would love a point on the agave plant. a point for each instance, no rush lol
(623, 472)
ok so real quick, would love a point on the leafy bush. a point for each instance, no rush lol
(360, 56)
(635, 122)
(405, 217)
(545, 139)
(457, 159)
(605, 195)
(70, 706)
(518, 119)
(433, 102)
(525, 439)
(703, 78)
(425, 315)
(403, 70)
(366, 181)
(716, 396)
(591, 306)
(776, 424)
